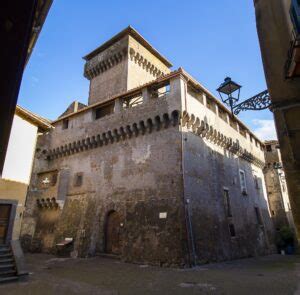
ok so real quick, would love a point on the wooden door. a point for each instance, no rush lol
(112, 237)
(4, 221)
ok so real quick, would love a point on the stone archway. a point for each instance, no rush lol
(113, 233)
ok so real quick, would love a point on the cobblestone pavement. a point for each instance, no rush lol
(273, 274)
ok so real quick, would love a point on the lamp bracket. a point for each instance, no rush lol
(257, 102)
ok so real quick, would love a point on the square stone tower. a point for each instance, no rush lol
(124, 62)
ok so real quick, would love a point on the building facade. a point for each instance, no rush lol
(278, 28)
(276, 187)
(17, 171)
(154, 169)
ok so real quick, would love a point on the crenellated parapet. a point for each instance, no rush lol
(200, 128)
(114, 135)
(98, 65)
(144, 63)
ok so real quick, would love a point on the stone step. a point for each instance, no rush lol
(3, 251)
(6, 261)
(8, 273)
(8, 279)
(7, 255)
(5, 267)
(4, 247)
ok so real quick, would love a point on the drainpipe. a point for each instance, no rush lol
(187, 215)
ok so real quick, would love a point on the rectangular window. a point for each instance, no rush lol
(210, 104)
(195, 93)
(65, 124)
(227, 203)
(78, 179)
(161, 90)
(133, 101)
(242, 131)
(243, 182)
(54, 179)
(232, 230)
(223, 115)
(258, 216)
(256, 182)
(269, 148)
(103, 111)
(233, 123)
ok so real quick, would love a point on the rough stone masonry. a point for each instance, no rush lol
(154, 169)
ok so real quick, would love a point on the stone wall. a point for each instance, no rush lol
(124, 65)
(208, 172)
(214, 153)
(143, 66)
(163, 166)
(138, 175)
(107, 72)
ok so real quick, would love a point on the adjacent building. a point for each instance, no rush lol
(276, 187)
(154, 169)
(278, 28)
(17, 171)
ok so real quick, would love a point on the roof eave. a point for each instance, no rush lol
(42, 123)
(132, 32)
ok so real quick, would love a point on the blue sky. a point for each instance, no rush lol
(209, 39)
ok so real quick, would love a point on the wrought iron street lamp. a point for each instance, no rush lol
(229, 92)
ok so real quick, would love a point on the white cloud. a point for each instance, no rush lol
(264, 129)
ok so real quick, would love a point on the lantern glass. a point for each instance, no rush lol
(228, 87)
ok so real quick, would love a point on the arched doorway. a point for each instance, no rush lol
(112, 233)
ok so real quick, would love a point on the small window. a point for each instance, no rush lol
(54, 179)
(232, 230)
(243, 182)
(133, 101)
(65, 124)
(269, 148)
(103, 111)
(160, 91)
(256, 182)
(223, 114)
(195, 93)
(233, 123)
(78, 179)
(242, 131)
(258, 216)
(227, 203)
(210, 104)
(273, 213)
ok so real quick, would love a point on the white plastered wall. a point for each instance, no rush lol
(20, 151)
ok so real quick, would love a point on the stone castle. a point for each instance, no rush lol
(154, 169)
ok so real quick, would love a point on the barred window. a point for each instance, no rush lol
(227, 203)
(243, 182)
